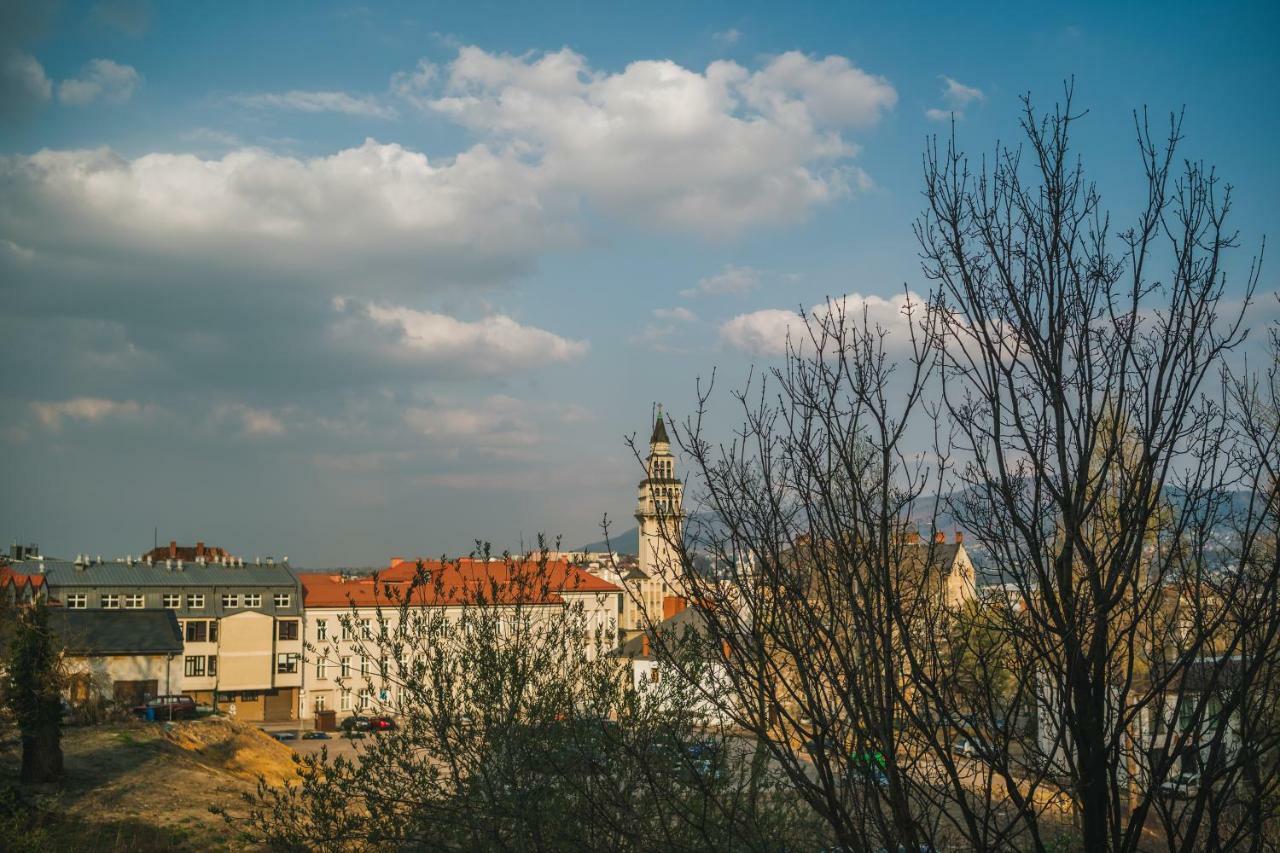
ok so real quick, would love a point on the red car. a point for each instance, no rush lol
(176, 707)
(360, 723)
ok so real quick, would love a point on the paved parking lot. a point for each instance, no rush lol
(335, 743)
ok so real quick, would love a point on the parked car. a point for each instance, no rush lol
(175, 707)
(361, 723)
(355, 723)
(1185, 784)
(285, 735)
(315, 735)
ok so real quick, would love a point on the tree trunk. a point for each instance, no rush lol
(41, 757)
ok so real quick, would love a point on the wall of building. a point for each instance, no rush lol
(100, 673)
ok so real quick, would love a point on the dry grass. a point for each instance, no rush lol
(140, 787)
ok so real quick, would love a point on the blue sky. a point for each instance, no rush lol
(342, 281)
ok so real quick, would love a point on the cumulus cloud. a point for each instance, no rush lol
(717, 151)
(766, 332)
(493, 345)
(91, 409)
(957, 96)
(477, 216)
(731, 279)
(319, 102)
(23, 83)
(729, 36)
(670, 327)
(101, 79)
(761, 332)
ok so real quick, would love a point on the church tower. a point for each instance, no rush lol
(658, 512)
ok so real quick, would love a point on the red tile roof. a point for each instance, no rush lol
(8, 575)
(453, 583)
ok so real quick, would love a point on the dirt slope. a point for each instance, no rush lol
(145, 786)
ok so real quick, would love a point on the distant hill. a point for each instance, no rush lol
(626, 542)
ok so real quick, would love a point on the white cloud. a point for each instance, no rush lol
(22, 80)
(492, 345)
(731, 279)
(766, 332)
(671, 327)
(101, 79)
(414, 86)
(319, 102)
(761, 332)
(832, 91)
(254, 422)
(716, 151)
(371, 210)
(91, 409)
(957, 97)
(729, 36)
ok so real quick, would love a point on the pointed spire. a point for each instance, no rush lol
(659, 429)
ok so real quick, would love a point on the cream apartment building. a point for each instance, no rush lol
(241, 623)
(343, 669)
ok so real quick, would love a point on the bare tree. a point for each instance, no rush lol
(517, 730)
(1090, 439)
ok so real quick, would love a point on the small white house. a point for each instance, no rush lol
(663, 659)
(125, 656)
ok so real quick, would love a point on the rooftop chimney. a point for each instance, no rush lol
(959, 537)
(644, 645)
(173, 549)
(939, 538)
(199, 549)
(913, 537)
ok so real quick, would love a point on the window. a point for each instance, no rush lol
(195, 666)
(319, 703)
(253, 599)
(365, 695)
(213, 664)
(344, 703)
(171, 600)
(364, 667)
(345, 669)
(230, 599)
(365, 630)
(197, 631)
(287, 629)
(322, 629)
(134, 602)
(322, 667)
(213, 631)
(195, 601)
(281, 599)
(110, 602)
(287, 663)
(346, 629)
(382, 668)
(77, 601)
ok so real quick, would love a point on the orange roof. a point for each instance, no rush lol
(453, 583)
(19, 579)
